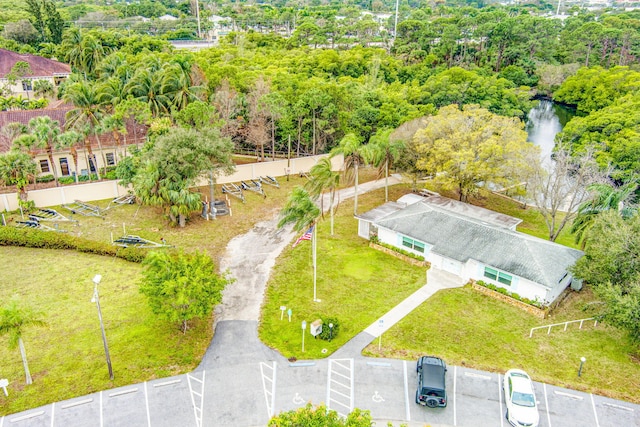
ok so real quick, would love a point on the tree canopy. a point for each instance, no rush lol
(181, 286)
(470, 149)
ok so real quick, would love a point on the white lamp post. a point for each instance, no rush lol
(582, 360)
(304, 327)
(330, 331)
(96, 298)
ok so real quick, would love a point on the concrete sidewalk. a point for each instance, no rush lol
(436, 280)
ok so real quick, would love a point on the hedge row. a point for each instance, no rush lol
(34, 238)
(374, 239)
(513, 295)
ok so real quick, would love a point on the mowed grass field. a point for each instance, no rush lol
(355, 283)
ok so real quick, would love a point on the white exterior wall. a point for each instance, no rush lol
(363, 228)
(519, 285)
(110, 189)
(387, 236)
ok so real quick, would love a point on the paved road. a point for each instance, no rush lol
(241, 382)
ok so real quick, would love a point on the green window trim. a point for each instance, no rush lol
(413, 244)
(498, 276)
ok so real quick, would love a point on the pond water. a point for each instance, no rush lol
(544, 122)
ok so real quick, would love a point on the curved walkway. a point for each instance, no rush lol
(235, 384)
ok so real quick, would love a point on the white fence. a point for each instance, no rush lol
(110, 189)
(548, 327)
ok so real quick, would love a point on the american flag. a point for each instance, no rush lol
(305, 236)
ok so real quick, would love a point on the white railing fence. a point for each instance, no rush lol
(566, 324)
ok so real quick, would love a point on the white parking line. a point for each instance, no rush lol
(569, 395)
(455, 375)
(613, 405)
(474, 375)
(1, 421)
(53, 412)
(595, 414)
(269, 394)
(120, 393)
(101, 417)
(167, 383)
(500, 400)
(146, 402)
(546, 403)
(407, 410)
(26, 417)
(80, 402)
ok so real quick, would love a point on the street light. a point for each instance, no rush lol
(582, 360)
(330, 331)
(96, 298)
(304, 327)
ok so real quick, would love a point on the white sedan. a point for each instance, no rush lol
(520, 399)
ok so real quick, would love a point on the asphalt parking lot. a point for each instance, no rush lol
(249, 394)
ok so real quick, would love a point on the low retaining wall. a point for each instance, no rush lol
(403, 257)
(542, 314)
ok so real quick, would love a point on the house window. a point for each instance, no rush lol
(26, 85)
(498, 276)
(92, 166)
(413, 244)
(64, 166)
(110, 159)
(44, 166)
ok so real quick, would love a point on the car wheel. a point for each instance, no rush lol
(432, 402)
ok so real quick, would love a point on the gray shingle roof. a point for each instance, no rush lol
(462, 238)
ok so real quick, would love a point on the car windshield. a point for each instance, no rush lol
(523, 399)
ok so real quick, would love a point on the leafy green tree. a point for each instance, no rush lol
(612, 252)
(22, 31)
(611, 133)
(323, 178)
(14, 318)
(180, 286)
(595, 88)
(622, 308)
(320, 416)
(43, 88)
(177, 159)
(468, 149)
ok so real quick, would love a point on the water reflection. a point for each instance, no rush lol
(543, 123)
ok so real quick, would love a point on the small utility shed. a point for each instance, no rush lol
(473, 243)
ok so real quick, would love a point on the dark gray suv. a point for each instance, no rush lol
(432, 390)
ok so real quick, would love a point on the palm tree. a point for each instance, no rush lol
(88, 111)
(383, 152)
(302, 212)
(71, 139)
(13, 320)
(46, 132)
(605, 197)
(351, 148)
(146, 85)
(15, 169)
(323, 178)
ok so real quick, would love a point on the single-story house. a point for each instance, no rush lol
(473, 243)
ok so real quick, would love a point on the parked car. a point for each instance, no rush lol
(520, 399)
(432, 390)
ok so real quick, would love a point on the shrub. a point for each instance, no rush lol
(513, 295)
(34, 238)
(66, 180)
(329, 333)
(45, 178)
(400, 251)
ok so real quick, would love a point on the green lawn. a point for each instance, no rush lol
(66, 357)
(356, 284)
(469, 329)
